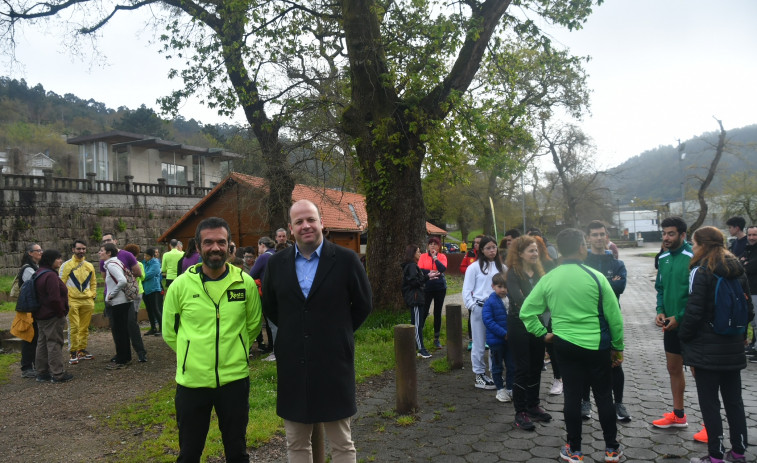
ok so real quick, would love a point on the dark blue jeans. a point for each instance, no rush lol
(501, 357)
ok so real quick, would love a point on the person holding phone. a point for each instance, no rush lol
(435, 290)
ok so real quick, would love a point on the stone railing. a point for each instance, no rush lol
(49, 183)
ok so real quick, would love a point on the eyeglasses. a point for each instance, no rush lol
(108, 240)
(36, 250)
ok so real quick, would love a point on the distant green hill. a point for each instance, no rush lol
(656, 174)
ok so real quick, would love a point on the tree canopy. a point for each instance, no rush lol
(397, 68)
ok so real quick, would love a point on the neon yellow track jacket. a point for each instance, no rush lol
(210, 325)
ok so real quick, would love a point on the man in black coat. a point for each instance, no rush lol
(318, 294)
(749, 260)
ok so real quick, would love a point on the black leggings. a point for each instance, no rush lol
(418, 319)
(729, 383)
(618, 383)
(528, 355)
(438, 298)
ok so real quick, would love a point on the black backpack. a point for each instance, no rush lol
(731, 308)
(27, 298)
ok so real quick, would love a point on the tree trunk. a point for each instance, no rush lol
(703, 208)
(278, 172)
(491, 192)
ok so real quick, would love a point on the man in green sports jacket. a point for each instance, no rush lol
(211, 315)
(672, 285)
(587, 330)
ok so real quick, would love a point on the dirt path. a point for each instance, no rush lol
(63, 422)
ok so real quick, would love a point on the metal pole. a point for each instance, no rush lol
(523, 201)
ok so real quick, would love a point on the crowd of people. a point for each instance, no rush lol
(527, 305)
(528, 308)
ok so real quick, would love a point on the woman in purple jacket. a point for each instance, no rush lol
(52, 295)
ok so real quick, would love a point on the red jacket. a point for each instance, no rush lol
(469, 258)
(52, 295)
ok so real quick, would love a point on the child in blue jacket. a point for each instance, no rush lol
(494, 315)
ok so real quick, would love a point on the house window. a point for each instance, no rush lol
(93, 157)
(174, 175)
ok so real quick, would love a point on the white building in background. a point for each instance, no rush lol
(637, 221)
(112, 155)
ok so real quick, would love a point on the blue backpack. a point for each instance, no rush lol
(27, 297)
(731, 309)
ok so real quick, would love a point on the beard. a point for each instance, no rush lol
(210, 260)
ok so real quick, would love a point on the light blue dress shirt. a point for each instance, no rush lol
(306, 268)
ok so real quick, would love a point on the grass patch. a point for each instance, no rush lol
(649, 254)
(405, 420)
(454, 283)
(440, 365)
(6, 360)
(154, 413)
(5, 283)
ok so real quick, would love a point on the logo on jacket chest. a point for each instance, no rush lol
(236, 295)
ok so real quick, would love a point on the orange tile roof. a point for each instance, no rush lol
(341, 210)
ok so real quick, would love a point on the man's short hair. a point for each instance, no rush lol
(106, 233)
(73, 246)
(211, 223)
(499, 280)
(513, 233)
(595, 224)
(569, 241)
(150, 252)
(736, 221)
(534, 231)
(268, 242)
(751, 226)
(174, 242)
(281, 230)
(674, 222)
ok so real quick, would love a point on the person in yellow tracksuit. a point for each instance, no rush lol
(79, 277)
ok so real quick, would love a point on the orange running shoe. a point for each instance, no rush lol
(701, 436)
(670, 420)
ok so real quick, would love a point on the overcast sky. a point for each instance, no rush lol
(660, 70)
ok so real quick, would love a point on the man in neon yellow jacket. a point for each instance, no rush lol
(81, 281)
(210, 316)
(587, 331)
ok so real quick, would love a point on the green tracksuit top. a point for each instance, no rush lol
(572, 295)
(672, 283)
(210, 326)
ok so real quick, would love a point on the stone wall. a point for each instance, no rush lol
(37, 211)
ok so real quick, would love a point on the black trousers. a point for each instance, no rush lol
(578, 367)
(193, 407)
(729, 384)
(418, 319)
(438, 299)
(154, 306)
(120, 329)
(29, 350)
(528, 355)
(618, 383)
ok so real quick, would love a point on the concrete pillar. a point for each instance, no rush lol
(91, 181)
(161, 186)
(129, 182)
(191, 187)
(406, 374)
(454, 336)
(48, 174)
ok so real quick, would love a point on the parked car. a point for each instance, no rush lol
(452, 247)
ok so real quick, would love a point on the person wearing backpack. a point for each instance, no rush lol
(52, 296)
(716, 359)
(119, 303)
(29, 265)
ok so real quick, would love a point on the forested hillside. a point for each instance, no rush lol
(656, 174)
(34, 120)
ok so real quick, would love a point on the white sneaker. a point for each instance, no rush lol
(556, 388)
(270, 358)
(503, 395)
